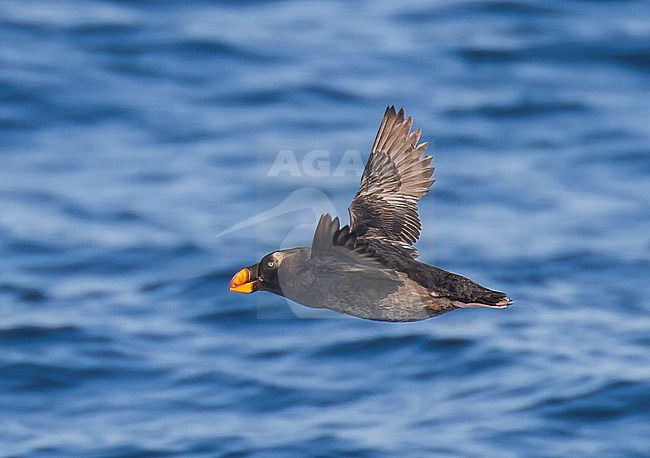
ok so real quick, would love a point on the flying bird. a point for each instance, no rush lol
(369, 268)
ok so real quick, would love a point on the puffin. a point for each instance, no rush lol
(369, 267)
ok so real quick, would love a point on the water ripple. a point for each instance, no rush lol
(134, 132)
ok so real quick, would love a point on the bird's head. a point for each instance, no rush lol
(265, 275)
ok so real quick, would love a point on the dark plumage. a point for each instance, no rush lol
(369, 268)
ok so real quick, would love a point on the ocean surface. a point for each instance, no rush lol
(149, 150)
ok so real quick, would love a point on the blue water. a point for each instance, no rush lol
(133, 134)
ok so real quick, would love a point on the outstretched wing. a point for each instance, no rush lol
(384, 210)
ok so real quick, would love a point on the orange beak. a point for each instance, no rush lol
(245, 281)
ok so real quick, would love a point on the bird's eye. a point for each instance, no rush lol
(270, 263)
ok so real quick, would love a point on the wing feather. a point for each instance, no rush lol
(337, 248)
(396, 176)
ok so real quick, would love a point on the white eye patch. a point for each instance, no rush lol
(277, 258)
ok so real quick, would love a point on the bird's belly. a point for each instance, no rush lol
(408, 302)
(412, 302)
